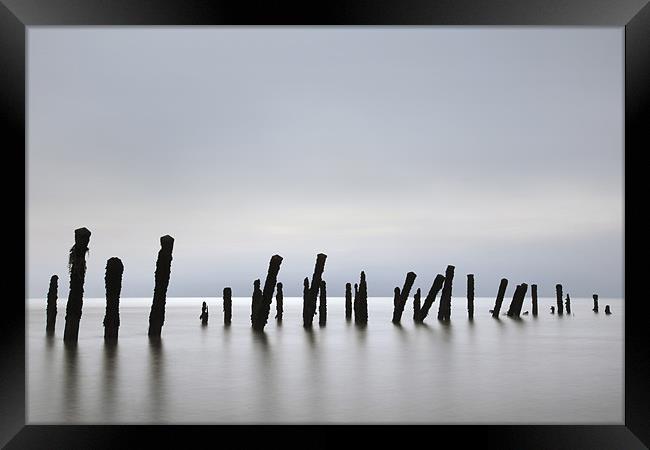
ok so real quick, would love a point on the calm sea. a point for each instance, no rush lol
(543, 370)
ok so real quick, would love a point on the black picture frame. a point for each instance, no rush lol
(633, 15)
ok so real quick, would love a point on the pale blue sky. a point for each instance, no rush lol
(498, 150)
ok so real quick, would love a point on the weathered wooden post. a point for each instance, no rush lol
(403, 295)
(314, 286)
(77, 268)
(227, 306)
(416, 304)
(396, 300)
(279, 302)
(306, 313)
(513, 302)
(361, 310)
(595, 309)
(607, 310)
(500, 294)
(261, 313)
(255, 300)
(567, 304)
(322, 306)
(113, 282)
(517, 300)
(204, 314)
(163, 270)
(533, 294)
(444, 310)
(348, 301)
(431, 297)
(558, 294)
(470, 295)
(52, 296)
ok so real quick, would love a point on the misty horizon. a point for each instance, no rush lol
(498, 151)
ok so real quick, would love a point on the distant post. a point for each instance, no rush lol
(403, 295)
(163, 271)
(113, 282)
(500, 294)
(607, 310)
(279, 302)
(77, 267)
(558, 295)
(595, 309)
(227, 306)
(444, 310)
(52, 296)
(533, 294)
(322, 306)
(348, 301)
(470, 295)
(204, 314)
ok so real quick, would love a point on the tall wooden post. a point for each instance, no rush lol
(558, 295)
(306, 310)
(444, 311)
(52, 296)
(77, 267)
(398, 307)
(279, 302)
(595, 309)
(322, 307)
(255, 301)
(348, 301)
(314, 286)
(533, 294)
(470, 295)
(261, 313)
(227, 306)
(361, 311)
(567, 304)
(163, 271)
(113, 282)
(500, 294)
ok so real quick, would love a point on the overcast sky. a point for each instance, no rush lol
(499, 151)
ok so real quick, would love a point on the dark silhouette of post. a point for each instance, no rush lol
(314, 286)
(77, 268)
(595, 309)
(444, 310)
(396, 300)
(348, 301)
(431, 297)
(52, 296)
(533, 294)
(552, 309)
(255, 301)
(517, 301)
(227, 306)
(279, 302)
(470, 295)
(204, 314)
(558, 294)
(261, 312)
(402, 297)
(113, 282)
(500, 294)
(416, 304)
(513, 302)
(306, 311)
(607, 310)
(163, 271)
(355, 303)
(567, 304)
(322, 306)
(361, 308)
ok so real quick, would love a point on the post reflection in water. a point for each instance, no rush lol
(109, 393)
(70, 383)
(158, 392)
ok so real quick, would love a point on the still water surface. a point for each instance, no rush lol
(542, 370)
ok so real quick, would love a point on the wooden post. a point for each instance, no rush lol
(500, 294)
(403, 296)
(431, 297)
(513, 302)
(348, 301)
(518, 301)
(204, 314)
(163, 271)
(567, 304)
(470, 296)
(261, 313)
(77, 267)
(361, 311)
(416, 304)
(607, 310)
(113, 282)
(355, 303)
(322, 307)
(533, 294)
(227, 306)
(595, 309)
(52, 296)
(444, 310)
(396, 300)
(255, 301)
(314, 286)
(558, 294)
(279, 302)
(306, 312)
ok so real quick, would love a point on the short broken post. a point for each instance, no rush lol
(77, 267)
(444, 309)
(305, 302)
(416, 304)
(500, 294)
(348, 301)
(607, 310)
(52, 296)
(402, 297)
(558, 295)
(204, 314)
(255, 301)
(322, 306)
(470, 296)
(227, 306)
(113, 281)
(595, 309)
(279, 302)
(163, 271)
(533, 294)
(430, 298)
